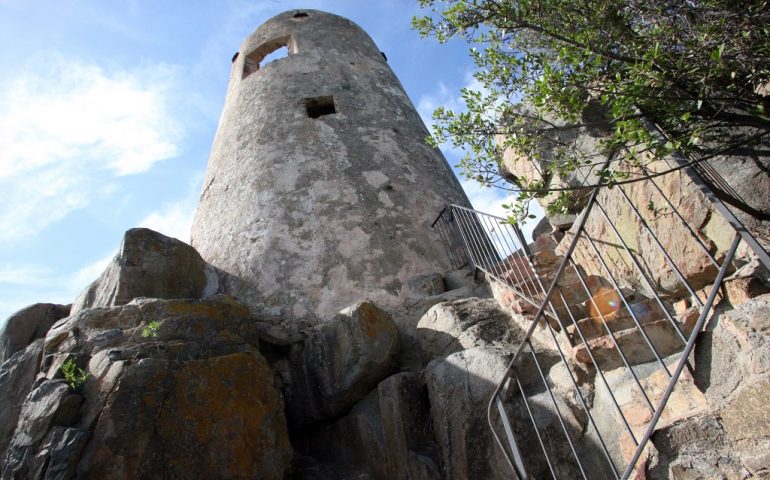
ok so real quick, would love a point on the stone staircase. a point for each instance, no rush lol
(613, 317)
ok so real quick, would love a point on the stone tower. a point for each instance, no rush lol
(320, 188)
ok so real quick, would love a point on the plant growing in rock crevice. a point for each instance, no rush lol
(75, 376)
(151, 329)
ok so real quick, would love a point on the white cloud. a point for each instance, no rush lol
(175, 219)
(26, 275)
(71, 126)
(490, 200)
(81, 278)
(451, 99)
(447, 97)
(23, 285)
(487, 199)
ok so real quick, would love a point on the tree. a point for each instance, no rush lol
(691, 76)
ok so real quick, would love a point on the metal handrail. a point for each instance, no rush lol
(497, 247)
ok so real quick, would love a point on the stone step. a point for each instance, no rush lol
(686, 401)
(660, 332)
(615, 315)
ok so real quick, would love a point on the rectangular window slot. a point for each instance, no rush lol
(319, 106)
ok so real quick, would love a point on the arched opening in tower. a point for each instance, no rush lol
(268, 52)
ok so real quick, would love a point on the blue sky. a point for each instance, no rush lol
(108, 111)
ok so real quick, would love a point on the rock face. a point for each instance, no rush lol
(49, 405)
(149, 264)
(738, 179)
(217, 417)
(410, 448)
(459, 387)
(519, 170)
(16, 377)
(659, 215)
(340, 362)
(355, 440)
(732, 434)
(174, 387)
(27, 325)
(385, 435)
(666, 204)
(320, 189)
(450, 327)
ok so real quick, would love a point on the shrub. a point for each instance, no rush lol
(75, 376)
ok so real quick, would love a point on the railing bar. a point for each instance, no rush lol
(687, 225)
(582, 400)
(558, 410)
(452, 218)
(599, 370)
(453, 231)
(514, 266)
(549, 301)
(506, 381)
(469, 244)
(532, 267)
(445, 238)
(559, 271)
(538, 279)
(460, 207)
(669, 260)
(518, 266)
(472, 240)
(534, 423)
(627, 305)
(685, 354)
(521, 472)
(446, 227)
(697, 179)
(541, 309)
(485, 229)
(479, 239)
(440, 214)
(532, 274)
(526, 256)
(474, 234)
(644, 275)
(496, 243)
(495, 274)
(612, 337)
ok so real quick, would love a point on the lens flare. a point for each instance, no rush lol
(605, 302)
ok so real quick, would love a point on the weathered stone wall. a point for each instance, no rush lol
(307, 215)
(672, 210)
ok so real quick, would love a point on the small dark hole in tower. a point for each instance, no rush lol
(300, 15)
(235, 57)
(319, 106)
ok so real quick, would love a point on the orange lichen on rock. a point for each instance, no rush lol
(228, 402)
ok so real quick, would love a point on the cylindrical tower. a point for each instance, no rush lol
(320, 188)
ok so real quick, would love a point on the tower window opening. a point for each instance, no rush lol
(281, 52)
(300, 15)
(319, 106)
(268, 52)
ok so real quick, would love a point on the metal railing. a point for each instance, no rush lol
(622, 333)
